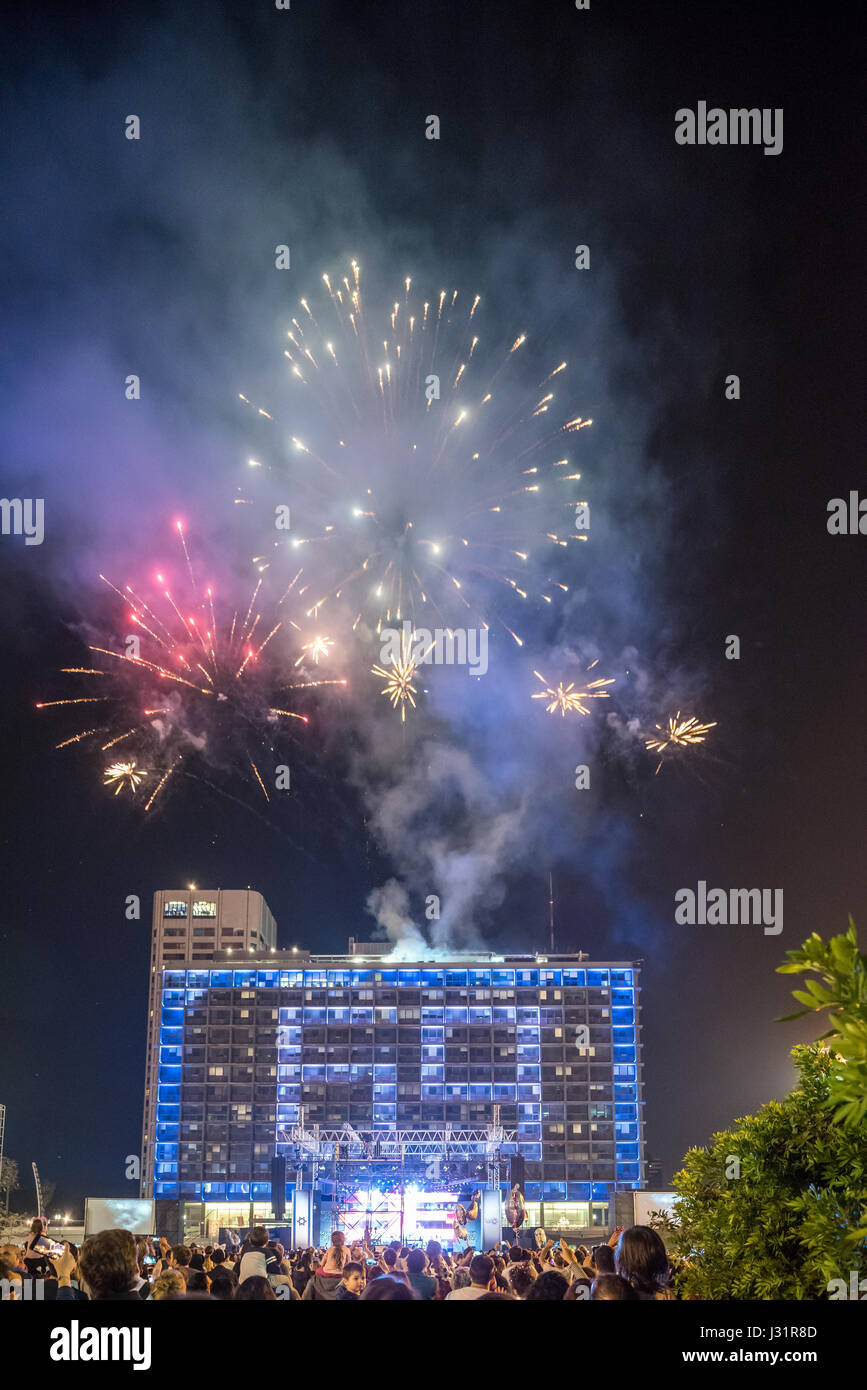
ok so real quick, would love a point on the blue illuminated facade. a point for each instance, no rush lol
(554, 1043)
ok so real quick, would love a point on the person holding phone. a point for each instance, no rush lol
(36, 1247)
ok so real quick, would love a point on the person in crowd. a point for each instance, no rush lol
(303, 1271)
(223, 1283)
(606, 1287)
(254, 1260)
(168, 1286)
(220, 1263)
(279, 1271)
(481, 1272)
(198, 1282)
(35, 1249)
(11, 1270)
(388, 1287)
(418, 1276)
(179, 1258)
(255, 1288)
(275, 1262)
(108, 1268)
(602, 1259)
(327, 1276)
(641, 1260)
(335, 1257)
(549, 1287)
(351, 1283)
(520, 1281)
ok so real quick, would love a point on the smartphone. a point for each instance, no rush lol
(55, 1248)
(149, 1260)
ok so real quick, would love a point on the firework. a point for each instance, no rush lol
(435, 475)
(567, 699)
(679, 733)
(399, 675)
(319, 647)
(191, 681)
(122, 775)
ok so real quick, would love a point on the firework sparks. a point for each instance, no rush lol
(436, 477)
(679, 733)
(399, 676)
(209, 687)
(319, 647)
(160, 784)
(568, 699)
(122, 775)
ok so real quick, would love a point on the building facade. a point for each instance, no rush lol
(243, 1051)
(191, 925)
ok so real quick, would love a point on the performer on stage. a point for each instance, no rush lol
(516, 1211)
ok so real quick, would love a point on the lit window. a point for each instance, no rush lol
(204, 909)
(174, 909)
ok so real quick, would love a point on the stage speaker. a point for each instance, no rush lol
(278, 1186)
(168, 1220)
(516, 1171)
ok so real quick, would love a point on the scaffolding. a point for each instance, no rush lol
(317, 1147)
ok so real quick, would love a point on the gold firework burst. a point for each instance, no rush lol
(398, 677)
(122, 775)
(319, 647)
(678, 733)
(567, 699)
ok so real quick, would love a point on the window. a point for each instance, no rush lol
(204, 909)
(174, 909)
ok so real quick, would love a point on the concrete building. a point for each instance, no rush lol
(190, 925)
(336, 1062)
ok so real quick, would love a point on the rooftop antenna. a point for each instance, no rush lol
(551, 911)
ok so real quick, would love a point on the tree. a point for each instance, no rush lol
(9, 1179)
(844, 970)
(776, 1206)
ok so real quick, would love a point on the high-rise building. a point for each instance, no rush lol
(191, 924)
(337, 1060)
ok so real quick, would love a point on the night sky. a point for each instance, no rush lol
(306, 127)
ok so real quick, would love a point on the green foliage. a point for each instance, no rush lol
(776, 1206)
(796, 1216)
(843, 968)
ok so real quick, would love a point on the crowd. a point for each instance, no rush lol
(115, 1264)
